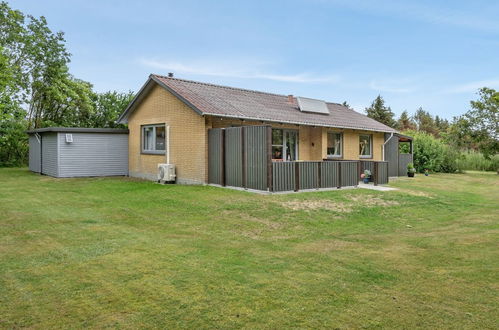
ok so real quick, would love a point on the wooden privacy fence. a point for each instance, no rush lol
(298, 175)
(404, 160)
(242, 157)
(379, 170)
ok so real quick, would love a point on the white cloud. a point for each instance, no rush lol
(235, 70)
(472, 86)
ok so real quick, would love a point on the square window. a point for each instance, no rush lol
(365, 146)
(334, 142)
(153, 139)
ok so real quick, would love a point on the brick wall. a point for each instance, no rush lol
(187, 138)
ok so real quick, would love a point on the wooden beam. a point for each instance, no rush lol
(244, 155)
(269, 160)
(319, 174)
(297, 176)
(339, 175)
(222, 153)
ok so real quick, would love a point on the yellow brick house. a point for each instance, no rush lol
(169, 119)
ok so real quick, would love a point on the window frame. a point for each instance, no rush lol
(283, 145)
(340, 156)
(142, 136)
(370, 156)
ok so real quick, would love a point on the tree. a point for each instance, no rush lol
(37, 89)
(405, 122)
(483, 118)
(424, 122)
(108, 107)
(378, 111)
(441, 124)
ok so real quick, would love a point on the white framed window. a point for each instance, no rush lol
(153, 139)
(365, 146)
(284, 144)
(334, 145)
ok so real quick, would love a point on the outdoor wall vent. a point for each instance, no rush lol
(312, 105)
(69, 138)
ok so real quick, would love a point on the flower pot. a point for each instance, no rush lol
(366, 180)
(410, 174)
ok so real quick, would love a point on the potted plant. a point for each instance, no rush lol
(366, 176)
(411, 170)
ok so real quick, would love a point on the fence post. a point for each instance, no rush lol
(375, 170)
(297, 176)
(359, 169)
(319, 174)
(243, 149)
(339, 175)
(387, 173)
(269, 159)
(222, 154)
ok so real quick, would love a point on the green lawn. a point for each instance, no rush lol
(118, 252)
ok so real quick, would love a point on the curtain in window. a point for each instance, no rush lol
(148, 138)
(160, 138)
(334, 144)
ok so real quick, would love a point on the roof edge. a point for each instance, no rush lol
(79, 130)
(302, 123)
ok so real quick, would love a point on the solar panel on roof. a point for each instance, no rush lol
(312, 105)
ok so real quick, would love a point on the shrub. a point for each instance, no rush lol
(476, 161)
(428, 152)
(451, 161)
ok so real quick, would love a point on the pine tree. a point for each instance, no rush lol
(378, 111)
(425, 122)
(405, 122)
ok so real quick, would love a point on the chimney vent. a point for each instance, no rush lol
(291, 99)
(170, 74)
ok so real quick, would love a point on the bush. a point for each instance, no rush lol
(428, 152)
(494, 166)
(476, 161)
(451, 162)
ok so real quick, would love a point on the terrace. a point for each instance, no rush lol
(243, 157)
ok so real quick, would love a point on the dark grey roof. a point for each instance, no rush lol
(79, 130)
(223, 101)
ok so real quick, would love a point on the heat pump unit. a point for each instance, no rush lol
(166, 173)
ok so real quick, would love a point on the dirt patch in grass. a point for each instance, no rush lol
(418, 193)
(355, 202)
(318, 205)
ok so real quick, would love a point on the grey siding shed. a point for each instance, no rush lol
(92, 152)
(34, 153)
(49, 154)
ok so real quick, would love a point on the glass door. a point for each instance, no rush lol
(291, 145)
(284, 144)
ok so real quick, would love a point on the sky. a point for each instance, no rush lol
(430, 54)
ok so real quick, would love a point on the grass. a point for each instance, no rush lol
(118, 252)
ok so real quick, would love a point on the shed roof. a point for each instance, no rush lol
(230, 102)
(79, 130)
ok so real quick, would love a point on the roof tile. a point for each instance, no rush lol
(233, 102)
